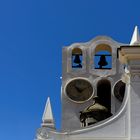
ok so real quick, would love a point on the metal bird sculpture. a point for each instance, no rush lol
(96, 111)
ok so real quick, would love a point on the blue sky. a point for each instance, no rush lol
(32, 34)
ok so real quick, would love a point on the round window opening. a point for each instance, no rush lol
(119, 90)
(79, 90)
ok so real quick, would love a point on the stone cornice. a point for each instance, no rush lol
(128, 53)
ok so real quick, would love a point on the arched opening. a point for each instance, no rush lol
(103, 57)
(101, 107)
(104, 93)
(77, 58)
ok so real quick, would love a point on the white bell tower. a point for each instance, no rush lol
(100, 92)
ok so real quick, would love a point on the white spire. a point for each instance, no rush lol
(136, 37)
(47, 119)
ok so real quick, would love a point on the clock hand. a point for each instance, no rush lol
(80, 90)
(86, 89)
(75, 90)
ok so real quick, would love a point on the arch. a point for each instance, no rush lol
(104, 93)
(103, 57)
(104, 47)
(77, 58)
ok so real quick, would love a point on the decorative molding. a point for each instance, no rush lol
(128, 53)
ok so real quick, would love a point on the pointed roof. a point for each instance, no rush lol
(136, 37)
(47, 115)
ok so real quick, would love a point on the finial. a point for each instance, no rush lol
(136, 37)
(47, 119)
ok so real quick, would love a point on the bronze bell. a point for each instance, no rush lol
(77, 59)
(102, 61)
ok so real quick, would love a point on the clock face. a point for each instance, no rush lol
(79, 90)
